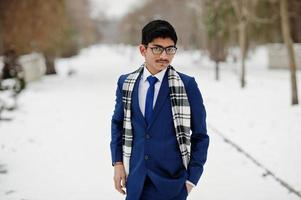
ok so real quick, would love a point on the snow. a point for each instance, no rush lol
(57, 144)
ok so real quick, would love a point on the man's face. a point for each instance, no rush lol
(155, 61)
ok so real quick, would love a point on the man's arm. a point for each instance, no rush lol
(117, 126)
(199, 137)
(119, 177)
(116, 141)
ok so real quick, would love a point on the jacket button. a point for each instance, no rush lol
(146, 157)
(147, 136)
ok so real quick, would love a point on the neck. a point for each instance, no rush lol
(152, 70)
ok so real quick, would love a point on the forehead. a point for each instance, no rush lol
(163, 42)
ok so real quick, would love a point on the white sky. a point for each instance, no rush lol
(113, 8)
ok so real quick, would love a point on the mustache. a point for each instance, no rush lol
(162, 60)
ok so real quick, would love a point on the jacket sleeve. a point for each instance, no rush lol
(199, 137)
(117, 125)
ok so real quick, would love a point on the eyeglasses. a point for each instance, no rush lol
(158, 50)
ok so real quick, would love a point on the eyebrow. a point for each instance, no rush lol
(157, 45)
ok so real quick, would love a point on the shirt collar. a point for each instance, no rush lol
(159, 75)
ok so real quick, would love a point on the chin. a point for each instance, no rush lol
(162, 66)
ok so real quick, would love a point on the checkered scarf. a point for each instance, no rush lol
(180, 112)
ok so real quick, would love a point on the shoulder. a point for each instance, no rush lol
(191, 86)
(187, 79)
(123, 77)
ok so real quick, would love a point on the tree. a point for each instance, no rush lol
(217, 29)
(285, 24)
(34, 25)
(242, 9)
(246, 13)
(180, 13)
(294, 7)
(84, 27)
(1, 31)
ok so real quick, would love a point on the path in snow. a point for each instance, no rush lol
(57, 146)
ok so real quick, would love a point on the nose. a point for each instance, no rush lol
(164, 55)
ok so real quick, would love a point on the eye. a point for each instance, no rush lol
(171, 50)
(157, 49)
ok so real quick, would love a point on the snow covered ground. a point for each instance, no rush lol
(56, 147)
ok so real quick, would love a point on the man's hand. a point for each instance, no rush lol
(119, 177)
(189, 187)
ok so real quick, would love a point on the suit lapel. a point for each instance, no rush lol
(135, 103)
(162, 96)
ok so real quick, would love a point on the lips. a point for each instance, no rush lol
(162, 61)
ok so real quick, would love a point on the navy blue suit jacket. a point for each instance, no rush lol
(155, 150)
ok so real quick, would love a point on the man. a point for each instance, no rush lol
(153, 152)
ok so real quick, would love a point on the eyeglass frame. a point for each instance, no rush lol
(164, 49)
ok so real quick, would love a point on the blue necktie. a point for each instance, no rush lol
(150, 98)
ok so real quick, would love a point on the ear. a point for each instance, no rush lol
(142, 49)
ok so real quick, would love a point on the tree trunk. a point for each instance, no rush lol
(50, 66)
(243, 50)
(1, 33)
(290, 50)
(216, 70)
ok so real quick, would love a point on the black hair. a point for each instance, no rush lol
(158, 29)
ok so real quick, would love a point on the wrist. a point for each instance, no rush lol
(118, 163)
(190, 183)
